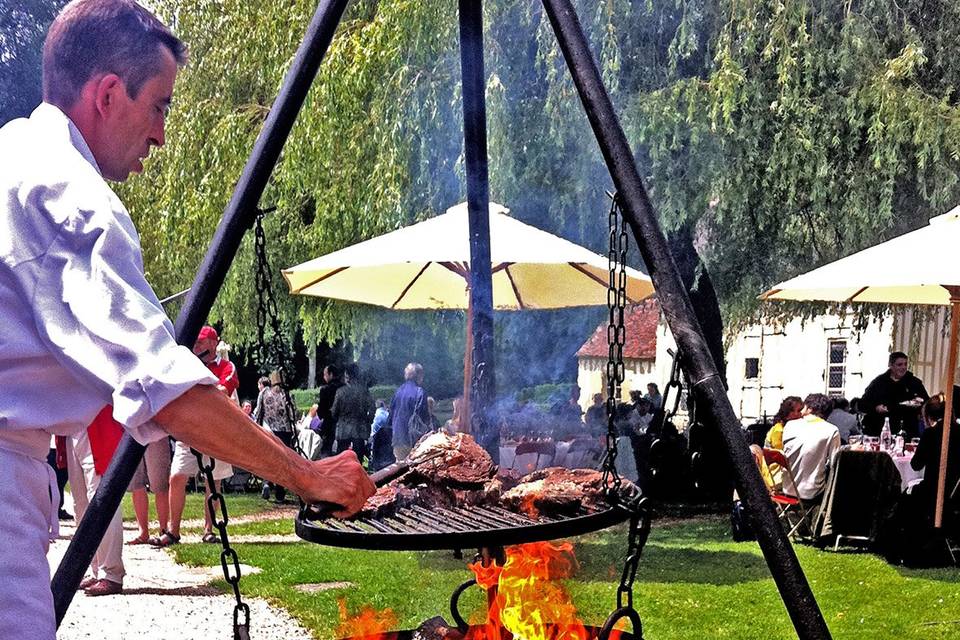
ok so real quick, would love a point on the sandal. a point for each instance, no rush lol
(166, 539)
(211, 538)
(138, 540)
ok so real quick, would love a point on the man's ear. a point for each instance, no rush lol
(107, 93)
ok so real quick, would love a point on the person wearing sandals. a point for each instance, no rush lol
(184, 464)
(82, 328)
(153, 471)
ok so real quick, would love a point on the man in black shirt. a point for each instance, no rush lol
(886, 394)
(325, 396)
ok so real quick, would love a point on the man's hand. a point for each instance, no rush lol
(338, 480)
(882, 408)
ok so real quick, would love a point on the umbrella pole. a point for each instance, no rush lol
(948, 404)
(464, 426)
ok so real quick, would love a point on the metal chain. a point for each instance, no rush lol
(228, 557)
(271, 354)
(616, 336)
(637, 539)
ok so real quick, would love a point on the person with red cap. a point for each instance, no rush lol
(185, 464)
(82, 328)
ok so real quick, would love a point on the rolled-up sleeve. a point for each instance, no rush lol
(103, 322)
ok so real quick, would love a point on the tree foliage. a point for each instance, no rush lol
(23, 26)
(818, 129)
(778, 135)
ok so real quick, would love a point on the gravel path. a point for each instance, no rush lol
(162, 599)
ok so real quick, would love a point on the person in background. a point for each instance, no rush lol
(927, 455)
(274, 413)
(88, 456)
(310, 420)
(57, 459)
(432, 411)
(885, 394)
(184, 464)
(596, 418)
(809, 444)
(454, 424)
(653, 396)
(409, 405)
(325, 396)
(263, 383)
(153, 472)
(790, 409)
(381, 438)
(247, 407)
(845, 422)
(352, 409)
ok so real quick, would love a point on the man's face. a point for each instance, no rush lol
(327, 376)
(899, 368)
(135, 125)
(208, 345)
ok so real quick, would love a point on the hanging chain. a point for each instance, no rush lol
(616, 337)
(229, 561)
(639, 531)
(271, 354)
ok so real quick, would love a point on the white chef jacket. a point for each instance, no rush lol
(80, 327)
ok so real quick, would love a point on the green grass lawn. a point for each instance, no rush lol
(694, 583)
(237, 505)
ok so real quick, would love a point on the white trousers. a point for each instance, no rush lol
(84, 480)
(26, 602)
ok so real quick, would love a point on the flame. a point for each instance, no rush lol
(368, 623)
(530, 602)
(528, 506)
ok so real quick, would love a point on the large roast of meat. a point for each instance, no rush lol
(461, 473)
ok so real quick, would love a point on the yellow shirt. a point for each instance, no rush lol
(775, 437)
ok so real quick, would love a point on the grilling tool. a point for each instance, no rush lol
(319, 510)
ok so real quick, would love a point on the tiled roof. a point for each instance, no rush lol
(640, 323)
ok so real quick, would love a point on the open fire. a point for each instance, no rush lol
(526, 597)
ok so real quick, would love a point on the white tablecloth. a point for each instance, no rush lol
(908, 477)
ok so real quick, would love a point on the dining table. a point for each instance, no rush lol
(863, 488)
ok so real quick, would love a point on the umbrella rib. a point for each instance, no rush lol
(513, 284)
(409, 284)
(593, 277)
(321, 279)
(456, 268)
(859, 291)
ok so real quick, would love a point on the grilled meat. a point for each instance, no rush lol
(387, 500)
(556, 491)
(463, 462)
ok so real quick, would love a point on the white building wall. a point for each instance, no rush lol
(793, 361)
(591, 378)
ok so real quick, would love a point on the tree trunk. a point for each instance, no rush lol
(703, 296)
(311, 363)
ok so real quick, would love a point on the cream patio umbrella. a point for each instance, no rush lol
(920, 267)
(427, 266)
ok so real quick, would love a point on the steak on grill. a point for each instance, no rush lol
(462, 462)
(387, 500)
(556, 491)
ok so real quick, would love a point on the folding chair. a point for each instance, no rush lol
(793, 513)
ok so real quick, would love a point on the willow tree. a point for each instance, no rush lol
(775, 136)
(817, 129)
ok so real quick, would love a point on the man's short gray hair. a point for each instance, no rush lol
(91, 37)
(413, 371)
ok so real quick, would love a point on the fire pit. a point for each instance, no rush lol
(478, 632)
(415, 528)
